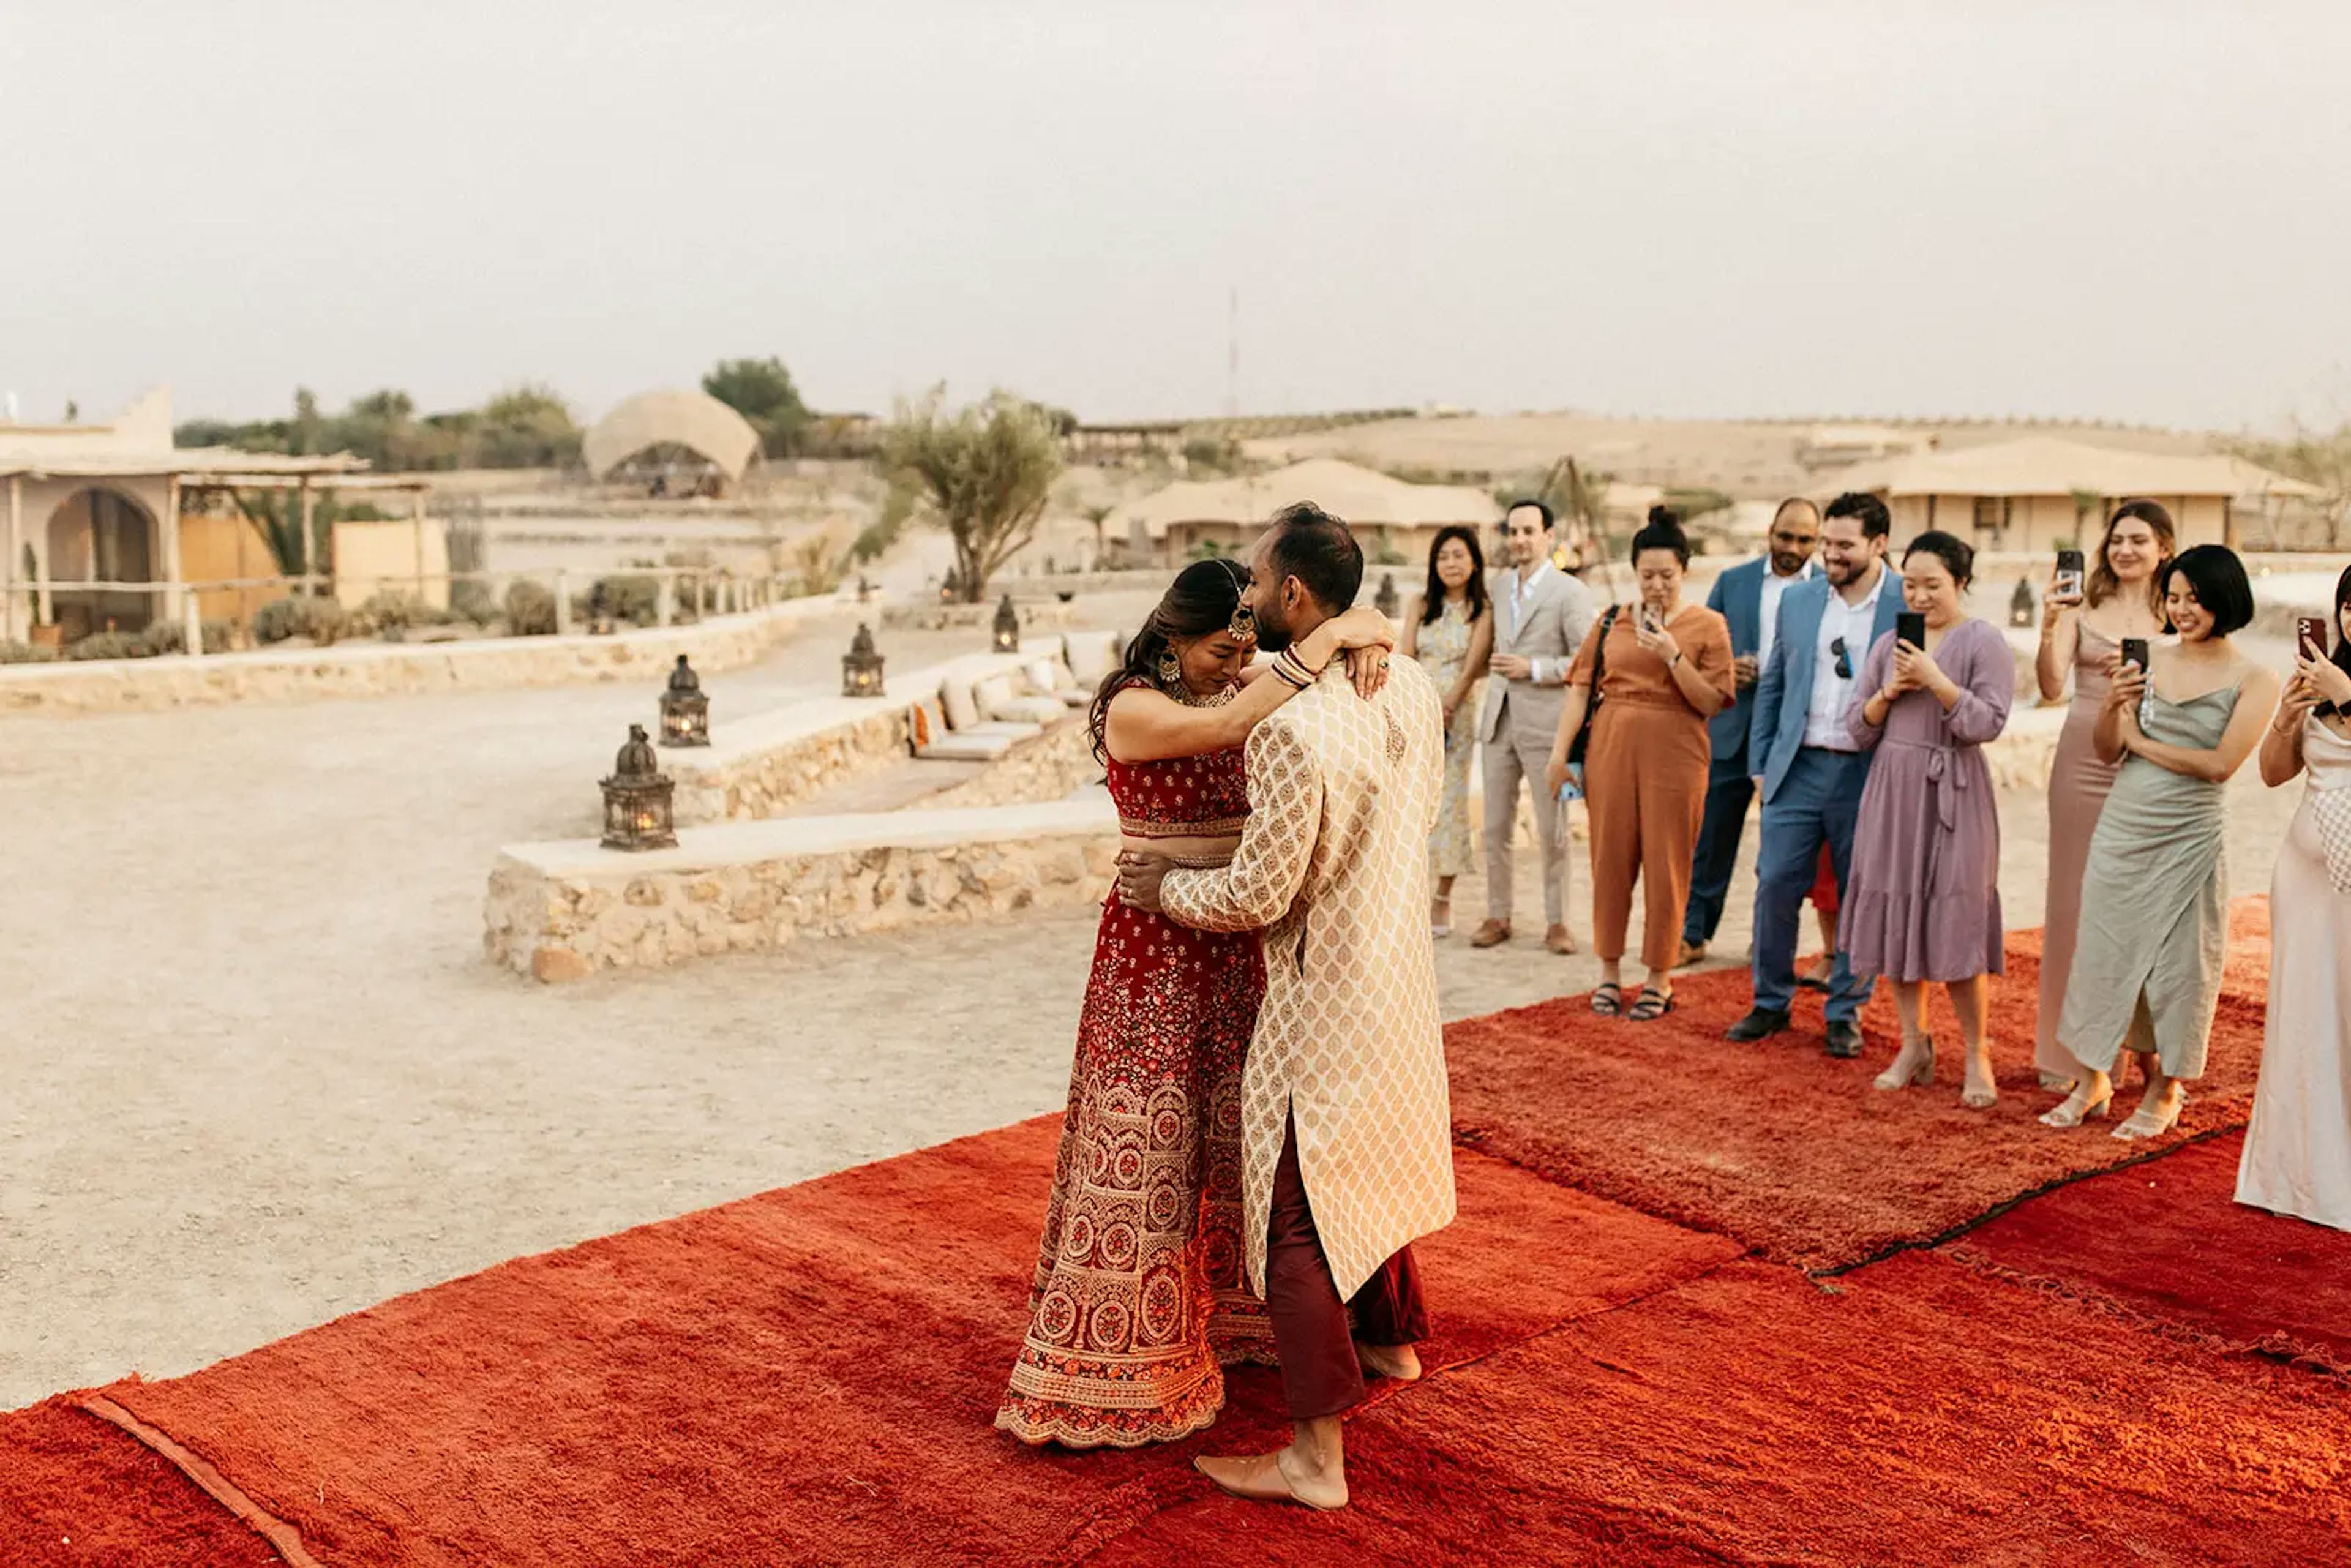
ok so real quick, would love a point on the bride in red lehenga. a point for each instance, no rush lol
(1139, 1300)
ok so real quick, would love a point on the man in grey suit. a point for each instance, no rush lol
(1541, 616)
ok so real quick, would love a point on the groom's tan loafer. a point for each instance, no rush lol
(1261, 1478)
(1491, 935)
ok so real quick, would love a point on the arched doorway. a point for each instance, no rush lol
(102, 536)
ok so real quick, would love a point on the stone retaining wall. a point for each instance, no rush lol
(561, 912)
(375, 670)
(758, 784)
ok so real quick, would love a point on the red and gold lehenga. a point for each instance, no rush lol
(1139, 1300)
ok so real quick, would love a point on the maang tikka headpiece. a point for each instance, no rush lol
(1244, 622)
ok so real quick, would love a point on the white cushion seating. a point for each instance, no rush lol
(1091, 655)
(961, 707)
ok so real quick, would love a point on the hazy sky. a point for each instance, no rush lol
(2139, 211)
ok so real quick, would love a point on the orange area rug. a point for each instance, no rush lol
(1912, 1413)
(75, 1491)
(1788, 1149)
(2167, 1243)
(808, 1375)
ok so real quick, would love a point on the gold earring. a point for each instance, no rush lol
(1171, 669)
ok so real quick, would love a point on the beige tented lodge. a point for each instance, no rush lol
(675, 443)
(1396, 521)
(111, 527)
(2043, 493)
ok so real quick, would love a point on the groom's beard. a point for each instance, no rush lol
(1273, 636)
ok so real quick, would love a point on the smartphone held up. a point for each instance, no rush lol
(2067, 585)
(1910, 627)
(2310, 638)
(2134, 651)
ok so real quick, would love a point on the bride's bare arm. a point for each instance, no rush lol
(1146, 726)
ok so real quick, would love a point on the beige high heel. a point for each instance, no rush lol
(1918, 1076)
(2073, 1111)
(2140, 1125)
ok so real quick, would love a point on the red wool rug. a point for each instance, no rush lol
(2167, 1243)
(1912, 1413)
(1788, 1149)
(76, 1491)
(807, 1376)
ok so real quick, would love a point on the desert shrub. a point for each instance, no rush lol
(322, 621)
(635, 600)
(473, 601)
(25, 654)
(110, 645)
(277, 620)
(391, 612)
(530, 609)
(167, 637)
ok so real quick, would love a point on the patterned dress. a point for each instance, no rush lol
(1138, 1299)
(1444, 645)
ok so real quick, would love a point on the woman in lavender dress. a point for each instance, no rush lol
(1922, 898)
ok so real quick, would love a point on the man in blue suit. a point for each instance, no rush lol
(1809, 769)
(1748, 597)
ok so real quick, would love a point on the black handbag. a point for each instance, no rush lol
(1599, 669)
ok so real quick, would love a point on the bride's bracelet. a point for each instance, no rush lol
(1289, 669)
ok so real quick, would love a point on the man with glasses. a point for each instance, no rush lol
(1806, 765)
(1747, 598)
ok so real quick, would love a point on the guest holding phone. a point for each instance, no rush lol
(2083, 625)
(1922, 893)
(2155, 917)
(1661, 671)
(2297, 1157)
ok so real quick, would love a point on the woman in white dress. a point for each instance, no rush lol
(2297, 1156)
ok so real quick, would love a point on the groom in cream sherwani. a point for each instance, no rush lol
(1346, 1129)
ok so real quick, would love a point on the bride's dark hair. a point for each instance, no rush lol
(1199, 603)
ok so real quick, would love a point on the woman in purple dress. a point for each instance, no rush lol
(1922, 899)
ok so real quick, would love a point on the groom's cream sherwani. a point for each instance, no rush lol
(1333, 865)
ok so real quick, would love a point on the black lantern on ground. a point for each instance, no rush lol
(861, 667)
(949, 586)
(1386, 600)
(637, 798)
(684, 710)
(2021, 609)
(1007, 627)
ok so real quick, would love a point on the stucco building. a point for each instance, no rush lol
(111, 525)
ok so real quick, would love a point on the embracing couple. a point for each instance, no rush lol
(1257, 1124)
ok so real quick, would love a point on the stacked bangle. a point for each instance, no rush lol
(1290, 669)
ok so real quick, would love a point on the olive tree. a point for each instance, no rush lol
(985, 472)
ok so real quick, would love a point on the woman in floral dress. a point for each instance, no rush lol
(1138, 1301)
(1451, 632)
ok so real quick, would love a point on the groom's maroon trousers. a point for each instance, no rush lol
(1319, 1374)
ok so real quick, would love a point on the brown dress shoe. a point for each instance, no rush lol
(1491, 935)
(1692, 952)
(1560, 939)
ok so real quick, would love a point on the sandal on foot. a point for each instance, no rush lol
(1608, 1001)
(1654, 1004)
(1919, 1073)
(2142, 1124)
(2074, 1110)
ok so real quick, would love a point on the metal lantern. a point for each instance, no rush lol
(2021, 609)
(637, 814)
(601, 618)
(861, 667)
(1386, 600)
(1007, 627)
(684, 710)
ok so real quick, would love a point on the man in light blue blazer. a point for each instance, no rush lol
(1747, 598)
(1807, 766)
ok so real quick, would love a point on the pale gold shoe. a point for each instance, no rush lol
(1263, 1478)
(2073, 1109)
(1917, 1076)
